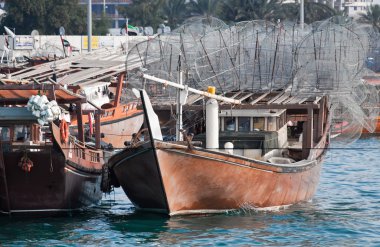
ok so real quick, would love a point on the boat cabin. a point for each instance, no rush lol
(251, 132)
(245, 120)
(18, 126)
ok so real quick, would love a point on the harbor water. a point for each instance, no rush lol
(344, 212)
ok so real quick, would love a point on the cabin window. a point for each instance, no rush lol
(258, 123)
(282, 120)
(272, 124)
(244, 124)
(21, 133)
(5, 133)
(229, 124)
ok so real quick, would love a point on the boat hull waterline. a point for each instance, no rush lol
(173, 179)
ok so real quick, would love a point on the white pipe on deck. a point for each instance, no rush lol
(212, 124)
(179, 136)
(193, 90)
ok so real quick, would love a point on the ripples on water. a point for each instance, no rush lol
(344, 212)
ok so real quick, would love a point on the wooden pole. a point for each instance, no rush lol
(97, 130)
(321, 117)
(307, 142)
(119, 87)
(80, 122)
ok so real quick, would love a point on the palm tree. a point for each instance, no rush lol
(314, 11)
(144, 12)
(242, 10)
(372, 16)
(174, 11)
(206, 8)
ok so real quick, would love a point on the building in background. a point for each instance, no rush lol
(354, 8)
(109, 7)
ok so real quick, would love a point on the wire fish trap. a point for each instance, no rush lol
(324, 58)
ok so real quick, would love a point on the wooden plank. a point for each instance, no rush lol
(280, 100)
(191, 99)
(275, 98)
(246, 96)
(259, 98)
(316, 101)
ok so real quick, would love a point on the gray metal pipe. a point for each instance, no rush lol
(302, 17)
(89, 25)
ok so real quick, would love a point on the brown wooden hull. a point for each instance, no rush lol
(64, 177)
(52, 185)
(176, 180)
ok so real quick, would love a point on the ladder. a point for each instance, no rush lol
(4, 196)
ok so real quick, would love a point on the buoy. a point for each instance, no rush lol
(64, 131)
(229, 147)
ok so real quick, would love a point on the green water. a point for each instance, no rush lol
(344, 212)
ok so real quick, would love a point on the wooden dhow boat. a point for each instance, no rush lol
(254, 160)
(44, 169)
(90, 77)
(120, 117)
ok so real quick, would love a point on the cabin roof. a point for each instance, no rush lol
(16, 113)
(249, 100)
(85, 85)
(251, 113)
(13, 94)
(91, 67)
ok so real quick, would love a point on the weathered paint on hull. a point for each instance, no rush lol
(121, 130)
(50, 187)
(116, 130)
(187, 181)
(140, 178)
(196, 181)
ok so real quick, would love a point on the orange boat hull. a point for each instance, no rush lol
(176, 180)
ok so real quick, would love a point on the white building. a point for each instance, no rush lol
(354, 8)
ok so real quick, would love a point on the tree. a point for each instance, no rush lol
(45, 15)
(242, 10)
(143, 13)
(101, 26)
(314, 11)
(174, 11)
(203, 7)
(372, 16)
